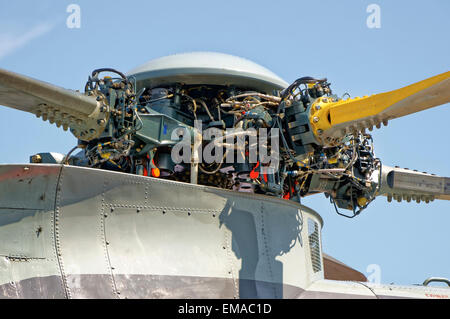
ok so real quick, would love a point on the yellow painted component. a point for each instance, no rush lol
(105, 155)
(304, 161)
(362, 201)
(332, 160)
(115, 163)
(36, 159)
(331, 113)
(320, 114)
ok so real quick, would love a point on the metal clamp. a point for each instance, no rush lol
(436, 279)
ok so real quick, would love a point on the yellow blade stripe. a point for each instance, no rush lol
(354, 109)
(333, 120)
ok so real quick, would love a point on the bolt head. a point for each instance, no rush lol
(36, 158)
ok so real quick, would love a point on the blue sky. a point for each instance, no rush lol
(410, 242)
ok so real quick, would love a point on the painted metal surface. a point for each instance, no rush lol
(72, 232)
(405, 184)
(206, 68)
(65, 108)
(333, 119)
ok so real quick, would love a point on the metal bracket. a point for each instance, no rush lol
(436, 279)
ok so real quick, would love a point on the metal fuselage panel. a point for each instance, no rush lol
(86, 233)
(72, 232)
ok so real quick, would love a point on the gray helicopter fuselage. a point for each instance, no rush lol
(74, 232)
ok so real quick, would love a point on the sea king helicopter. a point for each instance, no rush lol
(186, 181)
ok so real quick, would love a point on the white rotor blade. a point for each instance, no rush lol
(61, 106)
(404, 184)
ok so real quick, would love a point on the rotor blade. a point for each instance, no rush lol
(404, 184)
(333, 120)
(83, 114)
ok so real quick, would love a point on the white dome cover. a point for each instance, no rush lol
(206, 68)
